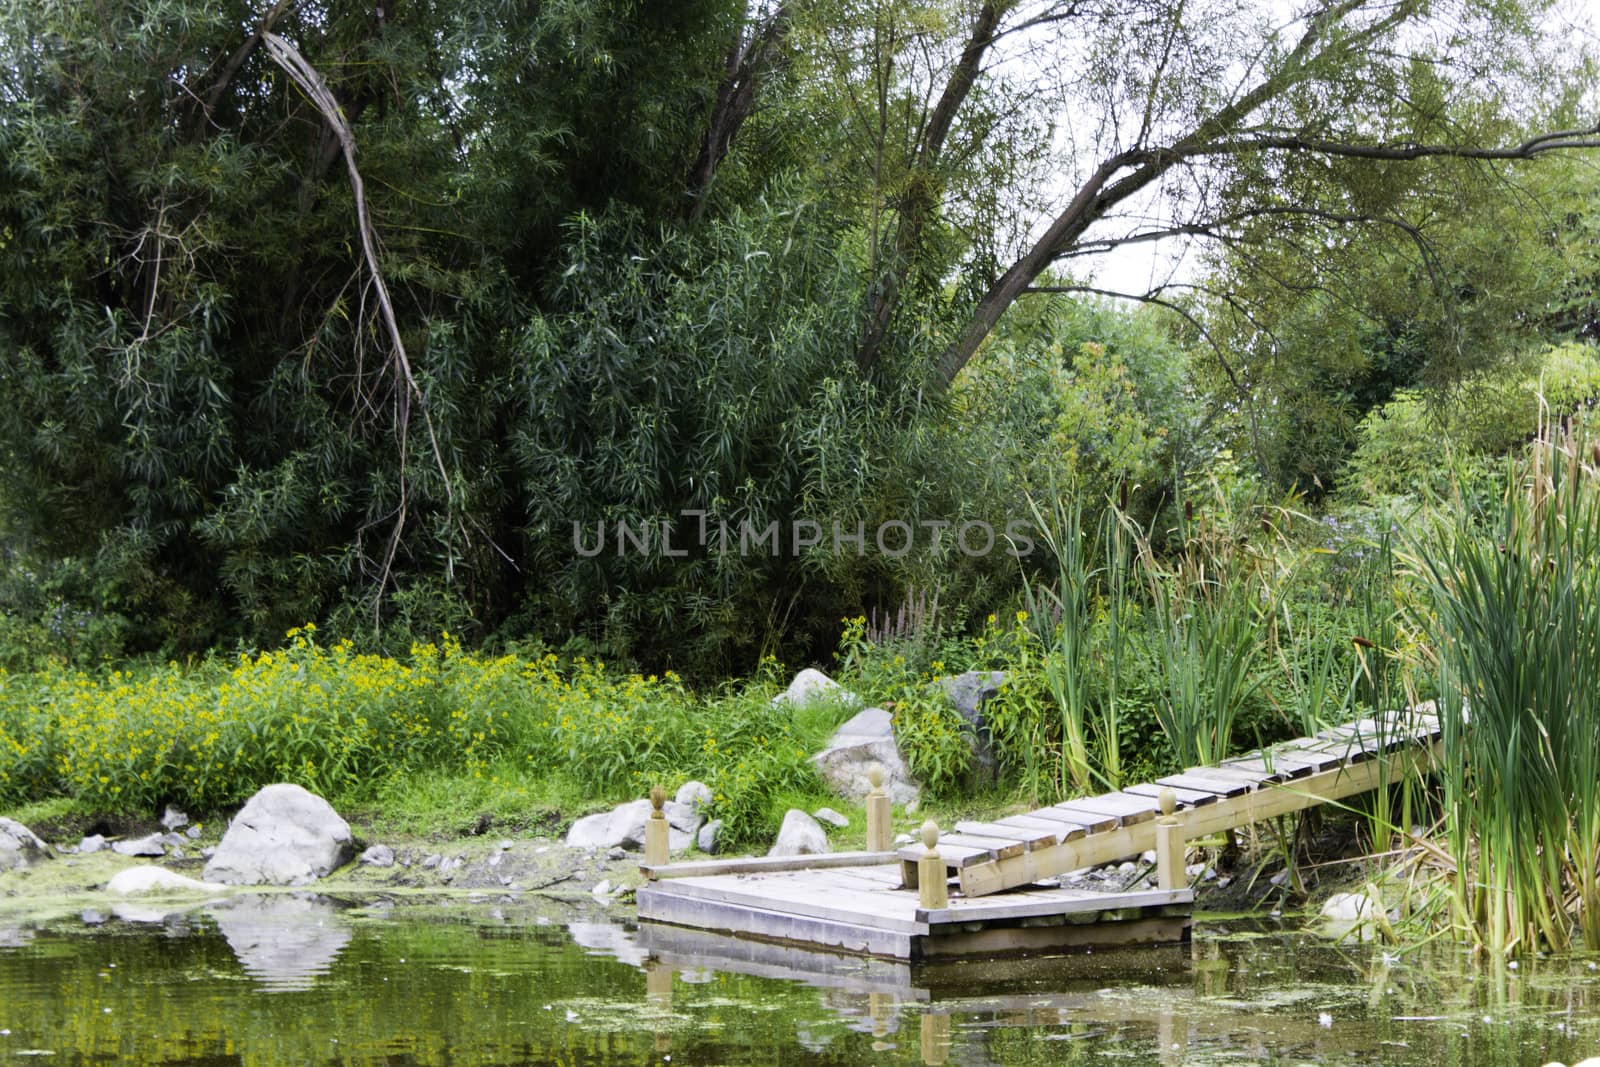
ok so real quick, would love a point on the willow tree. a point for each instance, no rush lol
(1001, 140)
(311, 308)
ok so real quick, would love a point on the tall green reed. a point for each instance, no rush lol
(1061, 616)
(1208, 603)
(1515, 599)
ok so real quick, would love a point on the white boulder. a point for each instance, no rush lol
(624, 826)
(150, 845)
(378, 856)
(284, 835)
(137, 881)
(811, 686)
(831, 817)
(866, 739)
(695, 795)
(800, 835)
(19, 846)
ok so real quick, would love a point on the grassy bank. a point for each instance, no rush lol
(1251, 623)
(431, 736)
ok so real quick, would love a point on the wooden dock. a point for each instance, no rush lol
(989, 900)
(864, 910)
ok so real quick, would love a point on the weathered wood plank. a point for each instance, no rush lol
(1186, 796)
(1000, 846)
(1063, 831)
(1255, 778)
(1217, 787)
(1283, 764)
(994, 942)
(763, 864)
(886, 909)
(660, 903)
(1048, 902)
(1092, 822)
(955, 856)
(1029, 836)
(1317, 759)
(1125, 807)
(1341, 748)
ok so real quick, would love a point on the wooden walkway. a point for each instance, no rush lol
(989, 901)
(1336, 763)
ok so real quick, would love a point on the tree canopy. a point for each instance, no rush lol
(311, 311)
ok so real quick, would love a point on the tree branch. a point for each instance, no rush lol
(747, 63)
(231, 68)
(306, 77)
(918, 204)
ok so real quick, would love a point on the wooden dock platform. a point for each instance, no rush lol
(864, 910)
(992, 899)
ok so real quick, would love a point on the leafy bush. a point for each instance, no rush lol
(343, 723)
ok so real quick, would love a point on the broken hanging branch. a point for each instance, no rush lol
(310, 82)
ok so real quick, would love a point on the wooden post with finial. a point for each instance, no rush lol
(880, 833)
(932, 892)
(657, 848)
(1169, 844)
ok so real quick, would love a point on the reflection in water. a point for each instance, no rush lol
(537, 982)
(285, 942)
(607, 939)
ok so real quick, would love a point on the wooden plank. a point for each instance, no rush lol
(1186, 796)
(659, 903)
(1343, 749)
(1125, 807)
(1314, 759)
(1029, 836)
(953, 855)
(1001, 846)
(1092, 821)
(980, 879)
(1284, 764)
(1222, 782)
(885, 909)
(763, 864)
(1217, 787)
(1254, 778)
(1024, 905)
(1063, 831)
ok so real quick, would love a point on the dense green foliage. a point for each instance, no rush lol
(352, 725)
(550, 325)
(598, 263)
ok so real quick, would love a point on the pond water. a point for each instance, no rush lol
(294, 979)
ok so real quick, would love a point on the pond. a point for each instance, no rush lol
(300, 979)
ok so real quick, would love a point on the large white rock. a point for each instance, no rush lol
(624, 826)
(1352, 914)
(284, 835)
(800, 835)
(1349, 908)
(811, 686)
(866, 739)
(149, 845)
(19, 846)
(137, 881)
(695, 795)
